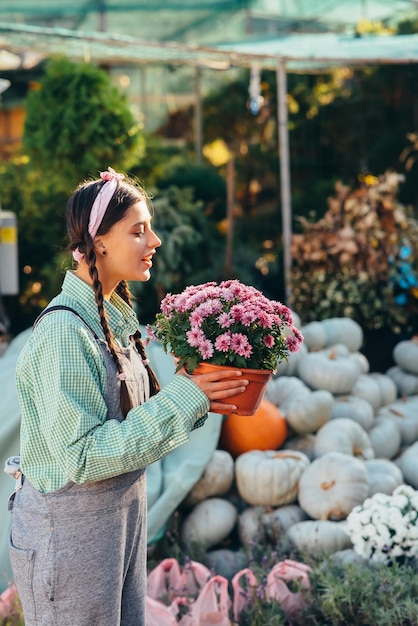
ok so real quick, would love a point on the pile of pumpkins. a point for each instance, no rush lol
(328, 434)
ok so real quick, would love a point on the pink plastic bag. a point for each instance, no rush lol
(243, 597)
(167, 581)
(276, 588)
(157, 614)
(194, 577)
(8, 600)
(212, 605)
(163, 580)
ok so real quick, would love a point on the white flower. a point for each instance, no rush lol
(413, 533)
(396, 551)
(406, 490)
(385, 527)
(400, 500)
(383, 531)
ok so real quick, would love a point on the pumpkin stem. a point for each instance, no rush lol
(395, 412)
(327, 485)
(285, 455)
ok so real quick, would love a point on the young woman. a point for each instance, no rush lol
(93, 417)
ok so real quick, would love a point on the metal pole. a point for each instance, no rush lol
(198, 117)
(230, 201)
(143, 95)
(283, 130)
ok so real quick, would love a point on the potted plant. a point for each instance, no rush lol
(227, 325)
(384, 528)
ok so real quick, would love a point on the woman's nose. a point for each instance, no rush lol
(156, 241)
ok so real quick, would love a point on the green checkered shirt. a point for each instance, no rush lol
(61, 383)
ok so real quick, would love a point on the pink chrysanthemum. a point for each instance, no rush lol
(248, 317)
(293, 343)
(195, 337)
(196, 318)
(241, 345)
(237, 311)
(225, 320)
(223, 342)
(151, 333)
(206, 349)
(269, 341)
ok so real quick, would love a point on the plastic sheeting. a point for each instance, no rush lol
(168, 480)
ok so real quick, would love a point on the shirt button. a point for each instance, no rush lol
(199, 414)
(171, 442)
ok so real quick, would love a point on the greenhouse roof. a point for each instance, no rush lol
(205, 21)
(300, 52)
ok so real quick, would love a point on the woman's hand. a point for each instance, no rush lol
(219, 386)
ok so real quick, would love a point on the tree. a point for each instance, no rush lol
(78, 123)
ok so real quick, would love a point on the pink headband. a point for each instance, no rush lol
(100, 205)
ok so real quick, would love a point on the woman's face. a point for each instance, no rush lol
(129, 247)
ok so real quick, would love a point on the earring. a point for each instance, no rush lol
(104, 252)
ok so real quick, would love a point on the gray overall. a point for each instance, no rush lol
(78, 553)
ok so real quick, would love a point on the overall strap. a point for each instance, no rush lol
(62, 307)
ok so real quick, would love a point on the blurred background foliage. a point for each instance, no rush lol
(345, 124)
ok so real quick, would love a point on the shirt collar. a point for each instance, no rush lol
(122, 319)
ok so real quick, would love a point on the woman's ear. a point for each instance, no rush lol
(99, 246)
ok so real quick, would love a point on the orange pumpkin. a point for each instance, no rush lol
(265, 430)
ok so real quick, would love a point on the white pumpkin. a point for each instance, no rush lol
(226, 562)
(296, 319)
(333, 330)
(354, 408)
(302, 443)
(289, 367)
(209, 523)
(406, 383)
(404, 413)
(305, 410)
(343, 330)
(405, 354)
(408, 464)
(361, 361)
(384, 476)
(269, 477)
(277, 522)
(216, 480)
(250, 525)
(332, 485)
(319, 536)
(343, 435)
(388, 389)
(349, 556)
(385, 438)
(329, 370)
(314, 336)
(378, 389)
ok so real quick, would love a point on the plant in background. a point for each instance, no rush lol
(226, 324)
(384, 528)
(78, 122)
(360, 260)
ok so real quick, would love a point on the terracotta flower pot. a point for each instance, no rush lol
(249, 400)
